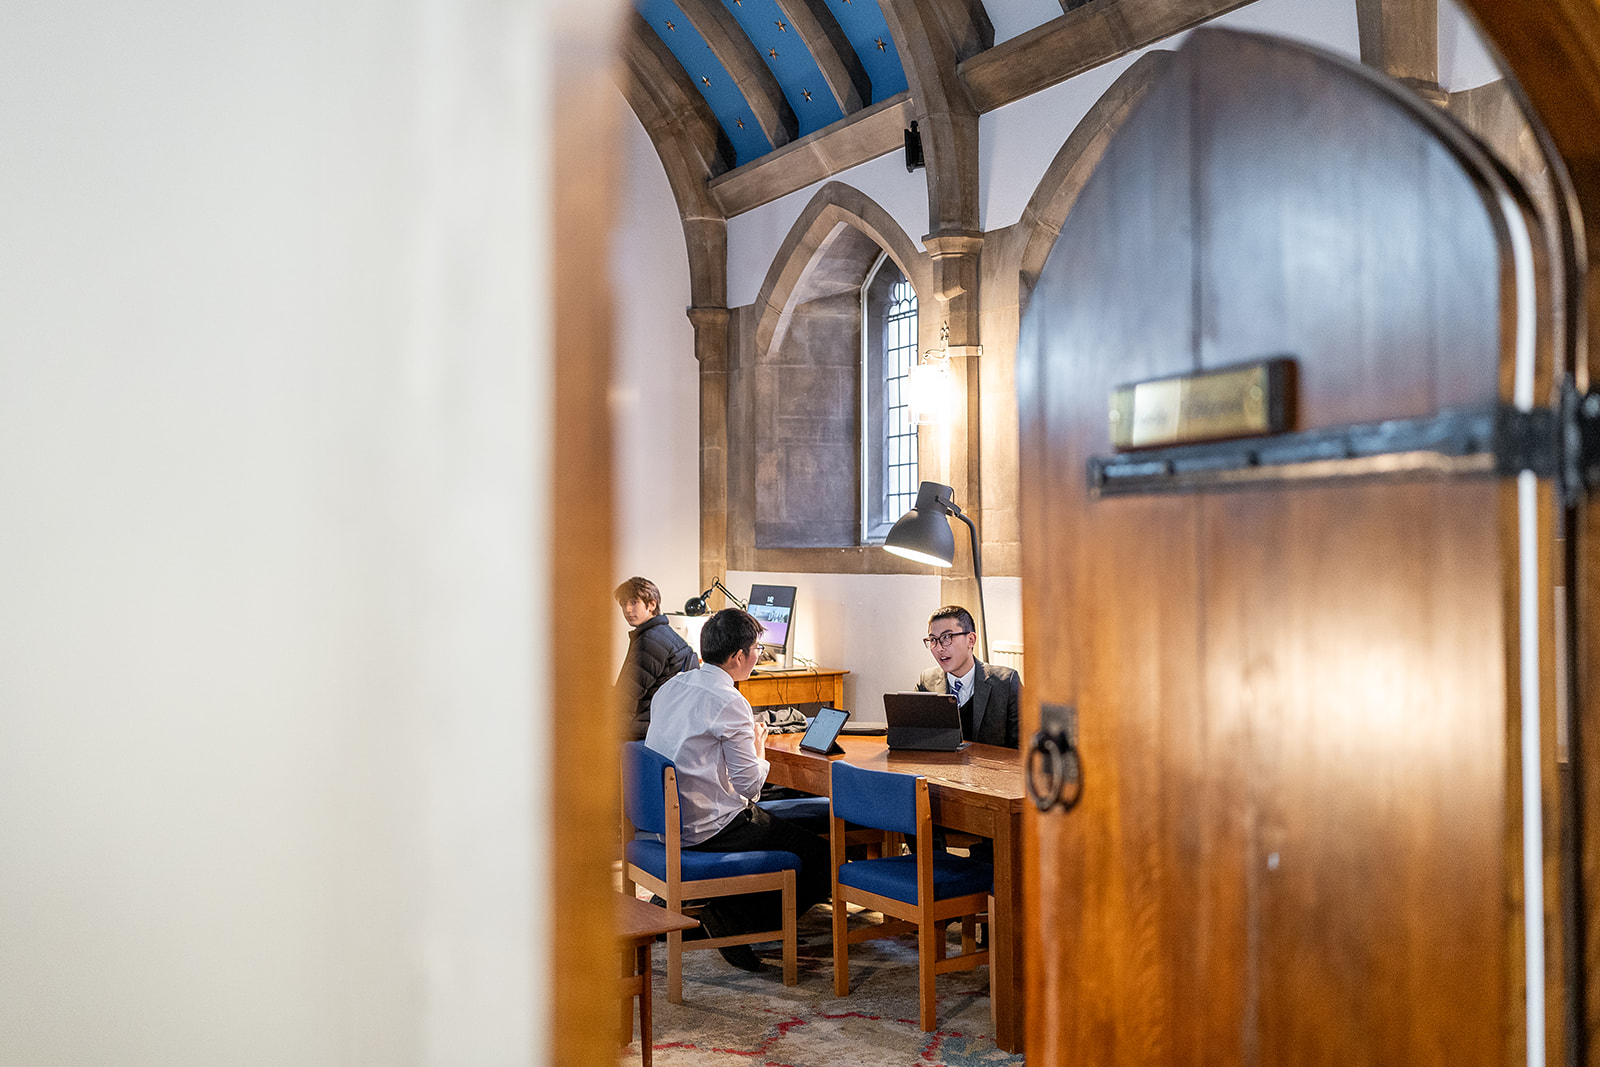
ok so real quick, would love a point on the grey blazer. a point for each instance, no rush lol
(996, 694)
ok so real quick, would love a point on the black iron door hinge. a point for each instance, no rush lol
(1560, 443)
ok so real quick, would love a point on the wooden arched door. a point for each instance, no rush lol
(1310, 682)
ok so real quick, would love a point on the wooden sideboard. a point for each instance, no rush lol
(802, 686)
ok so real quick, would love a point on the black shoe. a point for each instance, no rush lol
(741, 956)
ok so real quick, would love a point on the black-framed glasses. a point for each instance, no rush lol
(943, 640)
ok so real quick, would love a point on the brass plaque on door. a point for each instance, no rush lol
(1240, 401)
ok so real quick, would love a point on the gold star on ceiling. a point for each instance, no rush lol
(807, 94)
(880, 44)
(705, 81)
(740, 122)
(773, 52)
(671, 27)
(782, 27)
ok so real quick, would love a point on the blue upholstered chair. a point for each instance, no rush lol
(924, 891)
(663, 866)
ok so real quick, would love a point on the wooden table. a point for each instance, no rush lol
(809, 685)
(979, 790)
(638, 923)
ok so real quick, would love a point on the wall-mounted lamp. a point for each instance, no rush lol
(928, 384)
(923, 534)
(928, 389)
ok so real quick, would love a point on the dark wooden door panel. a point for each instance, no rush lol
(1334, 226)
(1353, 636)
(1294, 703)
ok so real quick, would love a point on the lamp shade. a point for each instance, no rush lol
(923, 533)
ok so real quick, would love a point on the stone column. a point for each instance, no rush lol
(1401, 38)
(711, 352)
(954, 256)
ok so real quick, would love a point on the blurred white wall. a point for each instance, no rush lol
(655, 395)
(274, 390)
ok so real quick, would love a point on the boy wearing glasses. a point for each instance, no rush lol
(988, 695)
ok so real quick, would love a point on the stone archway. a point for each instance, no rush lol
(822, 247)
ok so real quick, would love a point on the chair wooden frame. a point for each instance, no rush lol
(928, 917)
(674, 890)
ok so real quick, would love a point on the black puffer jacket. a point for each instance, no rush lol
(655, 653)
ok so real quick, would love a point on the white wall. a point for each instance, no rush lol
(871, 625)
(1465, 60)
(655, 395)
(272, 436)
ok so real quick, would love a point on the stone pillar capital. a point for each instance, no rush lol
(947, 243)
(707, 317)
(710, 336)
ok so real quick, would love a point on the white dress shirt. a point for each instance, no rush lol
(703, 724)
(966, 681)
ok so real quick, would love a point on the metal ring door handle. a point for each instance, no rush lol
(1054, 768)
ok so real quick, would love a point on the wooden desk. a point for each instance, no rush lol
(801, 686)
(638, 923)
(979, 790)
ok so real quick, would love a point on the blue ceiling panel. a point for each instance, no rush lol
(862, 22)
(786, 54)
(709, 76)
(790, 61)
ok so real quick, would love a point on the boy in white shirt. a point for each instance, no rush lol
(701, 722)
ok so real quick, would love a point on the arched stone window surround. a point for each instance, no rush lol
(802, 268)
(828, 252)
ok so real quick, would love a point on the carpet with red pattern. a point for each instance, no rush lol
(734, 1017)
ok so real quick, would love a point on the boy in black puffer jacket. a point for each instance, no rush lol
(655, 653)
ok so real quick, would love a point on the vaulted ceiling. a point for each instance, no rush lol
(747, 100)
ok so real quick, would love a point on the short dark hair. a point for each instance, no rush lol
(962, 616)
(727, 633)
(638, 589)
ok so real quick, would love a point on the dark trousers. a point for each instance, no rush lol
(758, 830)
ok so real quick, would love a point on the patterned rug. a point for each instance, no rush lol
(731, 1017)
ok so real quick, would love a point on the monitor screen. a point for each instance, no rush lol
(773, 607)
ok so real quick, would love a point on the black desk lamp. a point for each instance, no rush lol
(923, 534)
(696, 605)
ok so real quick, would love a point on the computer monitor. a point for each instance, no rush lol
(773, 606)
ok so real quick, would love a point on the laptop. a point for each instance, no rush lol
(823, 733)
(923, 722)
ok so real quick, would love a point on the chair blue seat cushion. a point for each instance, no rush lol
(694, 866)
(896, 877)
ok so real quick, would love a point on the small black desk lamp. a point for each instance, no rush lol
(923, 534)
(696, 605)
